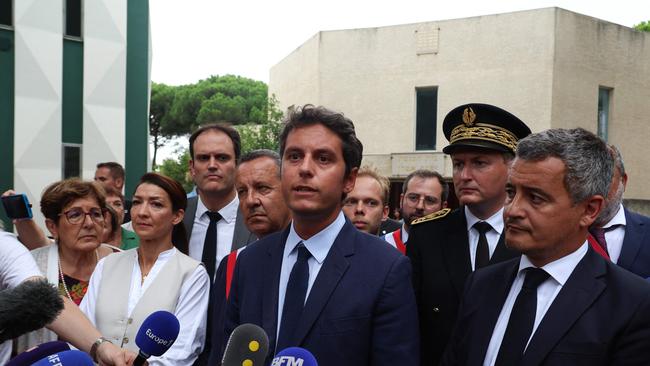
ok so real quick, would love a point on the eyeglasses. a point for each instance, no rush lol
(414, 199)
(76, 216)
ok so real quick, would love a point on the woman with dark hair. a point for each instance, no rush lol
(127, 287)
(75, 213)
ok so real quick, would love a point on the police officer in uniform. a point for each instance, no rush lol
(446, 246)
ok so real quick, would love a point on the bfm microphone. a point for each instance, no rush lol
(29, 357)
(248, 345)
(294, 356)
(27, 307)
(66, 358)
(156, 334)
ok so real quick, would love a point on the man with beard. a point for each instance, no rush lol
(367, 205)
(424, 192)
(622, 236)
(445, 247)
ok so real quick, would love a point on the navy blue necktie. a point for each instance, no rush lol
(294, 299)
(522, 319)
(209, 256)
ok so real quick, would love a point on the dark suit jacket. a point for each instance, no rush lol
(360, 310)
(635, 253)
(439, 252)
(601, 316)
(241, 236)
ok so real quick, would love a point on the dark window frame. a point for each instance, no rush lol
(64, 160)
(426, 138)
(11, 15)
(66, 14)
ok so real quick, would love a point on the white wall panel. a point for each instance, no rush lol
(38, 80)
(104, 83)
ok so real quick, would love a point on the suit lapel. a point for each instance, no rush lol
(488, 313)
(635, 233)
(190, 212)
(271, 286)
(501, 252)
(241, 235)
(578, 293)
(334, 267)
(456, 251)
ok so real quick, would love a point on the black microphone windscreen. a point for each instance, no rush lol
(29, 306)
(247, 342)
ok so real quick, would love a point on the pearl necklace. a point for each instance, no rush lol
(65, 287)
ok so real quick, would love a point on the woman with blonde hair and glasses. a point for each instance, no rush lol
(74, 213)
(129, 286)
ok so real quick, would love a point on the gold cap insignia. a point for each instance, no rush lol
(469, 116)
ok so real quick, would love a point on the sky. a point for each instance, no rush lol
(193, 39)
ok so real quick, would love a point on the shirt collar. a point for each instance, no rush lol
(318, 245)
(618, 219)
(404, 233)
(559, 269)
(227, 212)
(496, 220)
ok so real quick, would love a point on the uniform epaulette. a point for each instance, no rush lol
(432, 216)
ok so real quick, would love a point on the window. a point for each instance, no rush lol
(426, 114)
(72, 18)
(604, 98)
(6, 12)
(71, 160)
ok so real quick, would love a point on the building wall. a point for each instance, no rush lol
(104, 83)
(371, 74)
(543, 65)
(592, 53)
(61, 89)
(38, 96)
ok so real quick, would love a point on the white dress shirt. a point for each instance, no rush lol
(191, 309)
(16, 265)
(318, 245)
(559, 272)
(614, 237)
(225, 230)
(493, 235)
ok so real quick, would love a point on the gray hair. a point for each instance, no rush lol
(618, 159)
(262, 153)
(589, 164)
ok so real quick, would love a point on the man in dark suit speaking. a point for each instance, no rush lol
(561, 303)
(321, 284)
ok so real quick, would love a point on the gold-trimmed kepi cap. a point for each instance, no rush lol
(483, 126)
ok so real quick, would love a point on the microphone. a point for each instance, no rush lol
(66, 358)
(156, 334)
(248, 345)
(294, 356)
(45, 349)
(27, 307)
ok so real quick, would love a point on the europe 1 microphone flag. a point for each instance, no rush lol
(248, 345)
(294, 356)
(156, 335)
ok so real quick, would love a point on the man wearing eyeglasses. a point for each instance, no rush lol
(446, 246)
(424, 192)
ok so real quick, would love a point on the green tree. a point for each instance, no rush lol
(644, 26)
(178, 168)
(264, 135)
(162, 97)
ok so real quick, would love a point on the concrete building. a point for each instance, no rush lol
(74, 90)
(550, 67)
